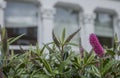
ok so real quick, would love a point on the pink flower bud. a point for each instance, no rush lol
(96, 45)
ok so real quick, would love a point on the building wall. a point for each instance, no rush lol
(87, 8)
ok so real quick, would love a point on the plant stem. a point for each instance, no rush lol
(62, 52)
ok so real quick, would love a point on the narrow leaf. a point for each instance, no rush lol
(55, 39)
(46, 65)
(71, 36)
(49, 49)
(95, 71)
(14, 39)
(107, 67)
(90, 59)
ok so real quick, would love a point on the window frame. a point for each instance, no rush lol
(79, 23)
(26, 47)
(113, 26)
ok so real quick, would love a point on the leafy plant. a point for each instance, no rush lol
(60, 61)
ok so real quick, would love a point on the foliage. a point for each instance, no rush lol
(60, 61)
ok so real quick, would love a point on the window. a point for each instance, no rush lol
(66, 18)
(104, 28)
(30, 36)
(21, 17)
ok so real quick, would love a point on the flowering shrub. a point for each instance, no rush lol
(62, 61)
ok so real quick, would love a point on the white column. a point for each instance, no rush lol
(117, 24)
(88, 22)
(47, 23)
(82, 31)
(118, 28)
(40, 28)
(2, 6)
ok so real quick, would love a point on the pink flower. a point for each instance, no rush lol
(96, 45)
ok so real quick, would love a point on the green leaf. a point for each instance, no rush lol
(39, 51)
(115, 42)
(71, 36)
(46, 65)
(49, 49)
(90, 59)
(107, 67)
(115, 38)
(85, 55)
(77, 62)
(14, 39)
(42, 50)
(65, 56)
(95, 71)
(73, 44)
(41, 76)
(62, 66)
(110, 52)
(55, 39)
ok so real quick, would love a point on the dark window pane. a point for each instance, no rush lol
(17, 51)
(106, 41)
(30, 36)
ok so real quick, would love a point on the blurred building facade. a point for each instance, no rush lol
(37, 19)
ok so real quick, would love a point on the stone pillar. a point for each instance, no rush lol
(88, 22)
(39, 28)
(2, 6)
(116, 24)
(47, 23)
(118, 28)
